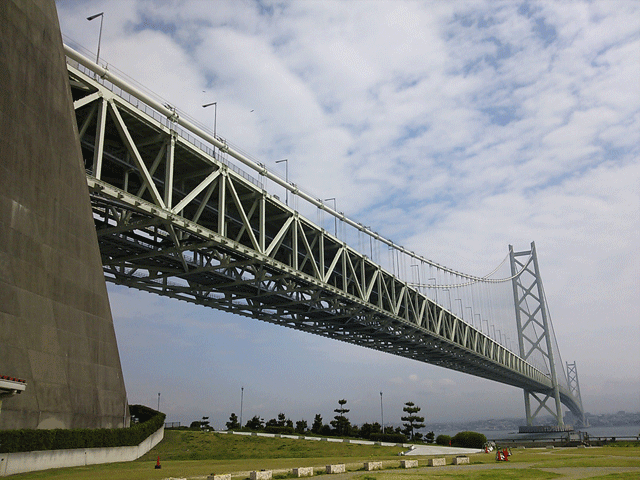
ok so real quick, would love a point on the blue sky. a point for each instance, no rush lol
(454, 128)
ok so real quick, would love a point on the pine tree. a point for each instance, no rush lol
(282, 420)
(204, 424)
(340, 423)
(412, 421)
(301, 426)
(256, 423)
(233, 423)
(317, 424)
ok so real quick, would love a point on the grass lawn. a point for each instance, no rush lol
(192, 454)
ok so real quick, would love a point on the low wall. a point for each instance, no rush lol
(21, 462)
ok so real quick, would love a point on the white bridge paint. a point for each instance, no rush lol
(21, 462)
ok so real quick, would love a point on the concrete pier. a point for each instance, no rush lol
(56, 330)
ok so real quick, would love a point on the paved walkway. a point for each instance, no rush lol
(439, 450)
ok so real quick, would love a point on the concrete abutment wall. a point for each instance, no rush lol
(56, 330)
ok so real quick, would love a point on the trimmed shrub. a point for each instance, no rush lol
(469, 440)
(388, 437)
(149, 421)
(443, 440)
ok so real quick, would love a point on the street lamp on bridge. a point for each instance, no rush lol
(101, 15)
(435, 285)
(335, 219)
(286, 177)
(215, 115)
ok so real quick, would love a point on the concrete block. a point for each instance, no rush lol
(437, 462)
(372, 466)
(460, 460)
(302, 472)
(408, 463)
(338, 468)
(261, 475)
(226, 476)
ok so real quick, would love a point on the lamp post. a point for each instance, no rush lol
(370, 242)
(241, 402)
(335, 219)
(101, 15)
(449, 292)
(158, 401)
(215, 115)
(435, 285)
(286, 177)
(381, 413)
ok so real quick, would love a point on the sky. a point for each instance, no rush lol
(453, 128)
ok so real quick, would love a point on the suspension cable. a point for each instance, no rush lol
(474, 280)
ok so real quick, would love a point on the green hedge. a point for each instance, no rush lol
(444, 440)
(59, 439)
(388, 437)
(280, 430)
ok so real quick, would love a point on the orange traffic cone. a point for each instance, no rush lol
(158, 463)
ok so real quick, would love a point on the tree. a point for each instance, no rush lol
(301, 426)
(316, 426)
(282, 419)
(272, 423)
(341, 423)
(255, 423)
(412, 422)
(430, 437)
(367, 429)
(233, 424)
(204, 424)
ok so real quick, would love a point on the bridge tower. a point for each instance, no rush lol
(574, 386)
(535, 334)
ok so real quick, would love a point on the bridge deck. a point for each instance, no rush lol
(176, 217)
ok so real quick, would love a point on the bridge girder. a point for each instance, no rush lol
(175, 217)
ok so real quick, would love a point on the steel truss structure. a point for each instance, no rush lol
(175, 217)
(535, 336)
(574, 386)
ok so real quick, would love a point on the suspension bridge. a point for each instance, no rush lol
(181, 212)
